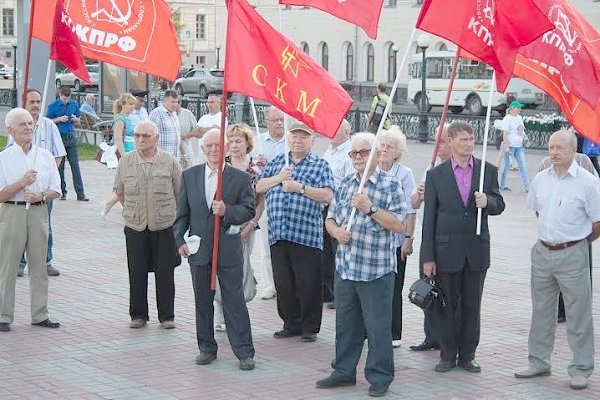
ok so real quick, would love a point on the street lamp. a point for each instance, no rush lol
(423, 43)
(218, 47)
(395, 50)
(14, 46)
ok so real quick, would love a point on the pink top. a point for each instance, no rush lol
(463, 177)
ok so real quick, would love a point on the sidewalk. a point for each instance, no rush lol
(94, 355)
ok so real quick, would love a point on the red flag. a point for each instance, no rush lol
(492, 30)
(262, 63)
(568, 48)
(364, 13)
(65, 46)
(137, 35)
(585, 119)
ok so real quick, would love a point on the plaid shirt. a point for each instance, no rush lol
(168, 129)
(292, 216)
(371, 252)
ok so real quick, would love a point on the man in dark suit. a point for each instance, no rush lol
(452, 251)
(197, 211)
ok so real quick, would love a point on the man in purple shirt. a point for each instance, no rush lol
(451, 250)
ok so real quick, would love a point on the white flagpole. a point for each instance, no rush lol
(259, 143)
(285, 137)
(42, 108)
(484, 153)
(388, 108)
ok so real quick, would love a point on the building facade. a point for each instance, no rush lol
(8, 31)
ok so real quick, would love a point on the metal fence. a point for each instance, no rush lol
(8, 98)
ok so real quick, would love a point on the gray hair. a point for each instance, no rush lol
(147, 124)
(395, 135)
(13, 114)
(89, 97)
(568, 137)
(367, 137)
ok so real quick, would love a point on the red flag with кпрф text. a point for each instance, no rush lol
(137, 35)
(364, 13)
(65, 46)
(492, 30)
(262, 63)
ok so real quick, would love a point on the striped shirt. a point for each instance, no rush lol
(46, 136)
(404, 176)
(168, 129)
(14, 163)
(566, 206)
(371, 251)
(293, 216)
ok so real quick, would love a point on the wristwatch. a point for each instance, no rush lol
(373, 210)
(303, 189)
(408, 237)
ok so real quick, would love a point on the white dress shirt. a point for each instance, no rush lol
(566, 206)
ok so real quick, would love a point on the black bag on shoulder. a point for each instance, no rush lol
(378, 113)
(424, 292)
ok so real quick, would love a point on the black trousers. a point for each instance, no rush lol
(462, 291)
(328, 262)
(156, 252)
(397, 300)
(297, 276)
(234, 309)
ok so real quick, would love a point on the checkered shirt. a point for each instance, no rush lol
(371, 251)
(168, 130)
(292, 216)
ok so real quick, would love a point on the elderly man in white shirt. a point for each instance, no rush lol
(341, 166)
(46, 136)
(28, 175)
(566, 199)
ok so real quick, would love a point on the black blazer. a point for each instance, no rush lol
(449, 226)
(193, 213)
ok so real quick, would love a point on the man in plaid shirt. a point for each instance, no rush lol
(365, 264)
(165, 117)
(295, 198)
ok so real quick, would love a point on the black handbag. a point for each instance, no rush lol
(424, 292)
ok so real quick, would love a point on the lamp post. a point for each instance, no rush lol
(395, 49)
(218, 47)
(423, 42)
(14, 46)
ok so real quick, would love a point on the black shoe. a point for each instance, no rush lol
(82, 198)
(51, 270)
(21, 270)
(561, 319)
(63, 197)
(378, 390)
(247, 364)
(470, 366)
(46, 324)
(284, 333)
(445, 366)
(4, 327)
(205, 358)
(332, 382)
(424, 347)
(308, 337)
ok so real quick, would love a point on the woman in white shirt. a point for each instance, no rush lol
(513, 134)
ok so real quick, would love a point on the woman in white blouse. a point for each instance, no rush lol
(513, 135)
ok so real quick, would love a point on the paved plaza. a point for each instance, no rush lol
(94, 355)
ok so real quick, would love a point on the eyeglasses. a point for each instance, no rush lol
(142, 135)
(363, 153)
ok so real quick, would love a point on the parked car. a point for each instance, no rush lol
(201, 81)
(67, 78)
(5, 71)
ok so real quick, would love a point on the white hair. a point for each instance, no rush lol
(395, 135)
(367, 137)
(147, 124)
(89, 97)
(13, 114)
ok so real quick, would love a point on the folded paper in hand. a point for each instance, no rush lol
(193, 242)
(109, 155)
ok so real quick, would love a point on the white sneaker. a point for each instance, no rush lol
(220, 327)
(395, 343)
(578, 382)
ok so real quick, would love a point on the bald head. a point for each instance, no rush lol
(211, 145)
(561, 148)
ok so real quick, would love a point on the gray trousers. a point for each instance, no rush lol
(553, 271)
(364, 308)
(23, 230)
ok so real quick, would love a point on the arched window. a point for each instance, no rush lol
(324, 55)
(349, 62)
(392, 53)
(305, 48)
(370, 50)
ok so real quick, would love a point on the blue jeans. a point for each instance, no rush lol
(364, 307)
(23, 261)
(519, 155)
(71, 148)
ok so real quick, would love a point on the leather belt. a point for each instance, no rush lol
(559, 246)
(22, 203)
